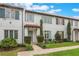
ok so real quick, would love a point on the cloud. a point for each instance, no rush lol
(54, 10)
(43, 7)
(75, 9)
(52, 6)
(36, 7)
(77, 17)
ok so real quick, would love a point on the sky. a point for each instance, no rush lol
(64, 9)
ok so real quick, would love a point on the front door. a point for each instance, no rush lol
(30, 33)
(33, 36)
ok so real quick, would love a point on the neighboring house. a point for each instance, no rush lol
(16, 22)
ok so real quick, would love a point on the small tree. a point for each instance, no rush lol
(69, 31)
(41, 27)
(57, 37)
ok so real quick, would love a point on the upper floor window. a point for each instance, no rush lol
(16, 14)
(7, 13)
(76, 23)
(60, 21)
(71, 21)
(30, 17)
(2, 13)
(47, 19)
(13, 14)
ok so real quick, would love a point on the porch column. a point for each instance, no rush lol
(34, 36)
(74, 36)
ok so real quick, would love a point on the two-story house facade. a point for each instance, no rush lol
(16, 22)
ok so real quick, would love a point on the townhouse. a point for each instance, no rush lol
(16, 22)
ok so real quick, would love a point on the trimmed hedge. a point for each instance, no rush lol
(27, 39)
(40, 39)
(66, 40)
(8, 43)
(28, 47)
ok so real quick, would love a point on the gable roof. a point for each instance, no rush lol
(10, 6)
(42, 13)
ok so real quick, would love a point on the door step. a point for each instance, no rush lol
(36, 47)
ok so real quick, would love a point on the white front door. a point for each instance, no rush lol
(33, 36)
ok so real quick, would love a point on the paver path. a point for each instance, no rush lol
(38, 50)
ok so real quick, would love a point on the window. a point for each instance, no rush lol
(30, 17)
(76, 23)
(71, 22)
(15, 34)
(5, 33)
(2, 13)
(47, 19)
(13, 14)
(56, 20)
(47, 35)
(11, 34)
(60, 21)
(7, 15)
(16, 14)
(61, 34)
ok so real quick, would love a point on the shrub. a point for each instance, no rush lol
(21, 45)
(42, 45)
(27, 39)
(28, 47)
(77, 40)
(40, 39)
(50, 40)
(57, 37)
(8, 43)
(66, 40)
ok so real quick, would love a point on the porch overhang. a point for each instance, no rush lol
(31, 26)
(76, 29)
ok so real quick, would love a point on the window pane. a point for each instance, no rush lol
(16, 14)
(30, 17)
(47, 35)
(2, 13)
(15, 34)
(5, 33)
(13, 14)
(7, 13)
(11, 33)
(47, 19)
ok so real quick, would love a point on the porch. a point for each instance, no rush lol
(75, 35)
(31, 30)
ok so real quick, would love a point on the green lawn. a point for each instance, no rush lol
(56, 45)
(73, 52)
(11, 53)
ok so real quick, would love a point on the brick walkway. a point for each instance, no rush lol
(38, 50)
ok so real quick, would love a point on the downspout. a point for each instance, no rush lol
(22, 28)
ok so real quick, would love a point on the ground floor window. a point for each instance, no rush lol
(11, 34)
(61, 34)
(47, 35)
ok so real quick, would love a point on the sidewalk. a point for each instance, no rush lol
(38, 50)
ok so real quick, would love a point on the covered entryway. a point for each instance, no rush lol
(76, 35)
(32, 32)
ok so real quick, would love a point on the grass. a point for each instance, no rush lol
(73, 52)
(57, 45)
(11, 52)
